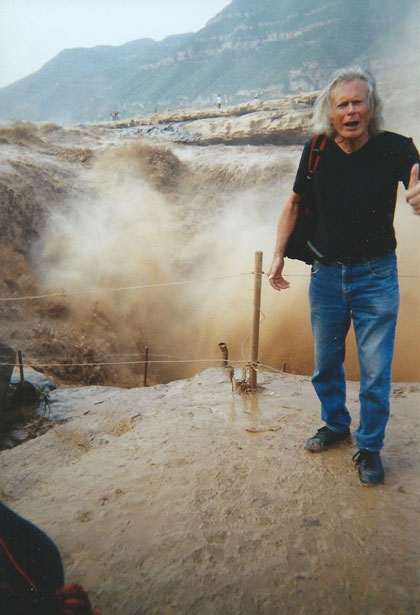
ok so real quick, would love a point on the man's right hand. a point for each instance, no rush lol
(275, 276)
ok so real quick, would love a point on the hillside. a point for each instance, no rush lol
(269, 48)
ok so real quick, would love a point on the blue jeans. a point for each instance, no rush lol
(368, 295)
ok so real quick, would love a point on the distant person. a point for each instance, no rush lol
(31, 572)
(219, 101)
(354, 272)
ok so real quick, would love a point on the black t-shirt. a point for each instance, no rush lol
(354, 194)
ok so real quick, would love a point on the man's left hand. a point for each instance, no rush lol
(413, 191)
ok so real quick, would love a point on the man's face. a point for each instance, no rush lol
(350, 110)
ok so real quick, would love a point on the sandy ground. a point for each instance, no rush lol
(189, 498)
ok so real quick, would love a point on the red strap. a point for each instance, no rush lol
(314, 138)
(312, 166)
(16, 565)
(320, 149)
(74, 599)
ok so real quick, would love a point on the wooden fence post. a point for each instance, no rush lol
(20, 359)
(256, 319)
(146, 365)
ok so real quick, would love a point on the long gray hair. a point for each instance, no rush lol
(322, 108)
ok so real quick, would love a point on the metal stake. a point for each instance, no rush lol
(225, 352)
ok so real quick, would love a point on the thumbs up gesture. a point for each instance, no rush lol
(413, 191)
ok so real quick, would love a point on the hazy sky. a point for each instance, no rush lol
(34, 31)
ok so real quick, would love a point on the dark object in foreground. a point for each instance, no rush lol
(31, 572)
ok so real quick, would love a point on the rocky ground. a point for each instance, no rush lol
(283, 121)
(190, 498)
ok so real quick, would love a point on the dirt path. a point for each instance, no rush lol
(189, 499)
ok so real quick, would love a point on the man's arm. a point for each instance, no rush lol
(286, 224)
(413, 190)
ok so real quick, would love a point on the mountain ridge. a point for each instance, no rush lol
(269, 48)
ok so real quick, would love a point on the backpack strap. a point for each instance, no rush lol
(317, 147)
(16, 565)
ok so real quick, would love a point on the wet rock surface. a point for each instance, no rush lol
(190, 497)
(277, 122)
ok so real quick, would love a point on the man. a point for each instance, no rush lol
(354, 274)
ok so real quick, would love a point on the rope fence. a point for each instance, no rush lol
(113, 289)
(80, 291)
(108, 363)
(232, 363)
(253, 363)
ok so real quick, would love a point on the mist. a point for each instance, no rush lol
(187, 221)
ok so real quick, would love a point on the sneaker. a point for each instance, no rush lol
(369, 465)
(324, 438)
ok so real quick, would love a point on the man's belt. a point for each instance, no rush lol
(350, 260)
